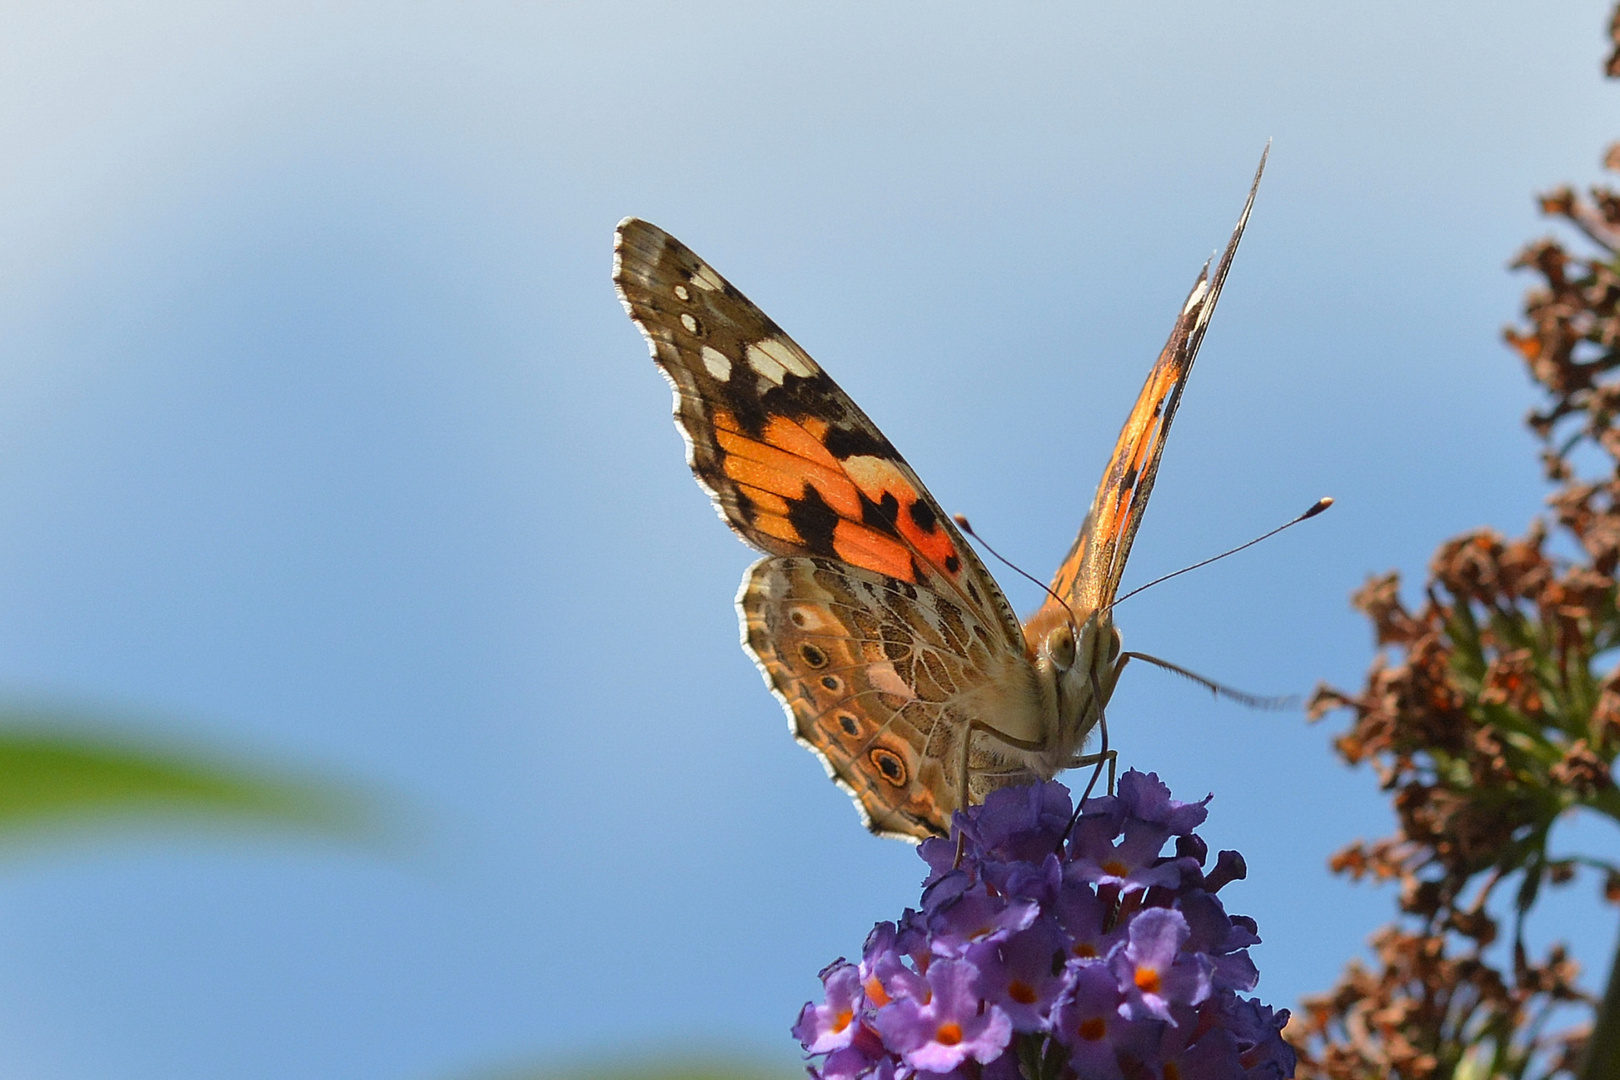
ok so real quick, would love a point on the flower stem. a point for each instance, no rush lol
(1603, 1053)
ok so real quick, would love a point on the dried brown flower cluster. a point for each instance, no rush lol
(1489, 726)
(1489, 714)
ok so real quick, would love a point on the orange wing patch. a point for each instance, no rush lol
(864, 510)
(912, 513)
(1089, 576)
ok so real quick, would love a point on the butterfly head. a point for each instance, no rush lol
(1095, 654)
(1076, 661)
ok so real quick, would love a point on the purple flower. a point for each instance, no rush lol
(837, 1028)
(1146, 797)
(1149, 817)
(1086, 916)
(832, 1025)
(978, 915)
(938, 1031)
(1226, 941)
(1046, 956)
(1153, 972)
(1088, 1024)
(1016, 824)
(1026, 974)
(1258, 1031)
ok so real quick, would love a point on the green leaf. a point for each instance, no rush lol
(58, 771)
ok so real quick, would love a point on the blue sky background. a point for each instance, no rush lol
(323, 439)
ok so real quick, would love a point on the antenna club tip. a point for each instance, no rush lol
(1321, 504)
(962, 523)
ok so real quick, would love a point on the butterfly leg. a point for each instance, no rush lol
(1105, 754)
(963, 794)
(1083, 760)
(965, 770)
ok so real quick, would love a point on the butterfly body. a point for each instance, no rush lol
(898, 659)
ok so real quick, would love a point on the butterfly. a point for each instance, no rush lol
(900, 662)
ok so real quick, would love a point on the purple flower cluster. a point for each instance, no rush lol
(1036, 958)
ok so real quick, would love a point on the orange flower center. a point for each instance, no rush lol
(1093, 1029)
(1021, 992)
(948, 1035)
(1147, 980)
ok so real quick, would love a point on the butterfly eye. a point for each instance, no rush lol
(1060, 647)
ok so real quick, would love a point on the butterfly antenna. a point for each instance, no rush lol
(962, 523)
(1253, 701)
(1316, 508)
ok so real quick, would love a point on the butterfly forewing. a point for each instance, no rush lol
(791, 462)
(1088, 578)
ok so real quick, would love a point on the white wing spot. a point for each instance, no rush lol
(1199, 292)
(780, 354)
(718, 363)
(707, 279)
(806, 617)
(681, 293)
(886, 680)
(766, 365)
(689, 322)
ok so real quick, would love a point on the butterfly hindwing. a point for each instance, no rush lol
(791, 462)
(880, 679)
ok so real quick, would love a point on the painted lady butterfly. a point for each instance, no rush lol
(900, 662)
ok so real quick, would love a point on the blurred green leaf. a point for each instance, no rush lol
(59, 770)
